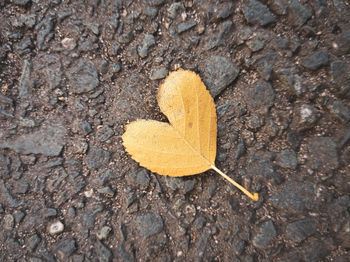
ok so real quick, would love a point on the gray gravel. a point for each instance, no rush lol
(299, 230)
(97, 157)
(316, 60)
(48, 141)
(219, 73)
(261, 96)
(323, 153)
(295, 197)
(287, 159)
(149, 224)
(159, 73)
(257, 13)
(267, 233)
(84, 78)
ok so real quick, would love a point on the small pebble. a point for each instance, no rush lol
(157, 74)
(69, 43)
(106, 191)
(104, 232)
(9, 222)
(56, 228)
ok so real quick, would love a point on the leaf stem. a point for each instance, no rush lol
(255, 197)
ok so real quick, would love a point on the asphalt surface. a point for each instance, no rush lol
(74, 73)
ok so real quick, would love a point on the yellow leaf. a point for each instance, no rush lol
(187, 144)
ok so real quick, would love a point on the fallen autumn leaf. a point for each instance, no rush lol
(187, 144)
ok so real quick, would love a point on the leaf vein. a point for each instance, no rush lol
(177, 167)
(209, 132)
(184, 113)
(199, 133)
(164, 152)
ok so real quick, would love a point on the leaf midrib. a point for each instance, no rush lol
(190, 146)
(187, 142)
